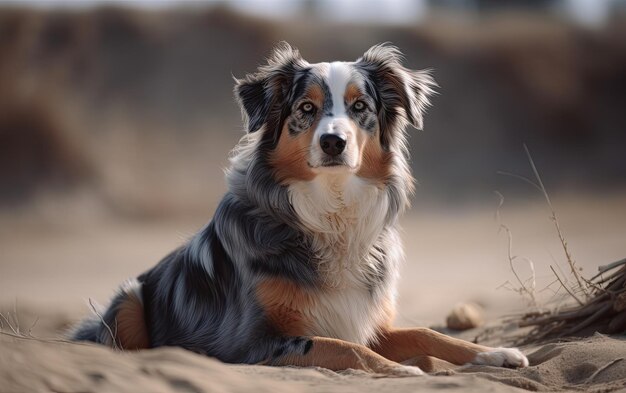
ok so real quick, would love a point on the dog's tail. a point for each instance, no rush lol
(121, 325)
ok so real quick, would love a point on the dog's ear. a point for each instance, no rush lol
(401, 95)
(259, 94)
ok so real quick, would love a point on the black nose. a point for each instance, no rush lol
(332, 144)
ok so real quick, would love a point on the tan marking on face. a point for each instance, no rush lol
(132, 332)
(316, 95)
(352, 93)
(375, 161)
(290, 158)
(285, 305)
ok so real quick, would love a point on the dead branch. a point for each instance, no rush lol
(601, 312)
(566, 287)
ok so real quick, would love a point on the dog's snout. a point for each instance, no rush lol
(332, 144)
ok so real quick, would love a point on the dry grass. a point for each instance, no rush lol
(594, 304)
(10, 326)
(526, 288)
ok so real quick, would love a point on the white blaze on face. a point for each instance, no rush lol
(337, 76)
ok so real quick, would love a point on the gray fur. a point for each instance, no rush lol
(202, 295)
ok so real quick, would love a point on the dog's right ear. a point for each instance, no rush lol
(402, 94)
(259, 94)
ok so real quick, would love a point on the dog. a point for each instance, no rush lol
(300, 263)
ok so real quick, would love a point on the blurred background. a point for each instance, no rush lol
(116, 119)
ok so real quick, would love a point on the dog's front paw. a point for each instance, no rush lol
(501, 357)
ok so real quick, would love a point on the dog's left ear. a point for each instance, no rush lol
(401, 95)
(261, 93)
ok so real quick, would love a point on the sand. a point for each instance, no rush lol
(596, 364)
(48, 270)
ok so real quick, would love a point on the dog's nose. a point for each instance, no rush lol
(332, 144)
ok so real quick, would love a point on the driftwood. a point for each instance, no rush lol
(604, 310)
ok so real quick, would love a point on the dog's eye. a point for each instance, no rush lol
(307, 107)
(359, 106)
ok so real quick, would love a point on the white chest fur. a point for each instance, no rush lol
(346, 217)
(350, 314)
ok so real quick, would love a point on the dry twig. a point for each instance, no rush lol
(601, 369)
(566, 287)
(523, 289)
(568, 255)
(113, 338)
(598, 299)
(598, 313)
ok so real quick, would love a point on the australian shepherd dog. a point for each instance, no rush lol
(300, 263)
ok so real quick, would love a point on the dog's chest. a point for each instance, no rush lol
(350, 305)
(351, 314)
(345, 222)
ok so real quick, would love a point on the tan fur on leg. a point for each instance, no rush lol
(429, 364)
(341, 355)
(402, 344)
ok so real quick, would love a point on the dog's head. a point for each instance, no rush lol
(333, 118)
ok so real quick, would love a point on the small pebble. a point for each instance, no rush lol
(465, 316)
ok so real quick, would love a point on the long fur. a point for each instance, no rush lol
(299, 250)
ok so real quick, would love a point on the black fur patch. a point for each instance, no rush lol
(307, 347)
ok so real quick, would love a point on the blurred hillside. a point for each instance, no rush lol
(135, 108)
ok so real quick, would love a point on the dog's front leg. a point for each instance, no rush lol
(335, 355)
(401, 345)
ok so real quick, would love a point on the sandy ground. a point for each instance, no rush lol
(48, 268)
(33, 366)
